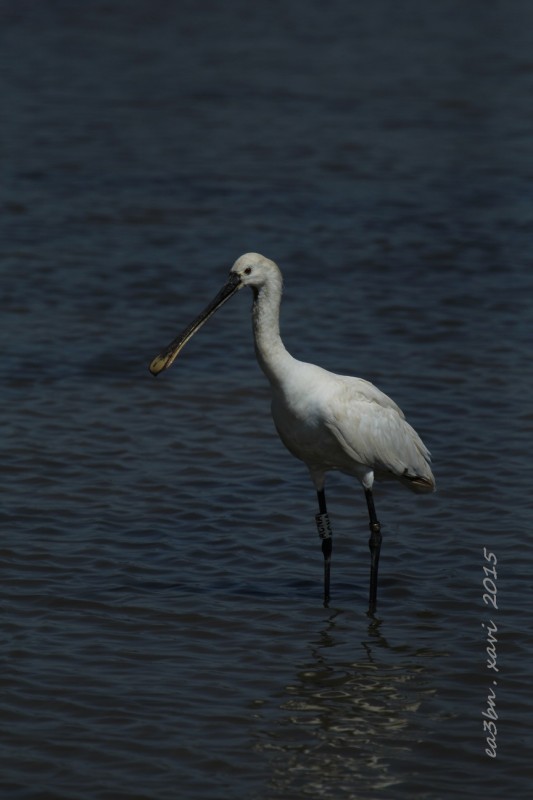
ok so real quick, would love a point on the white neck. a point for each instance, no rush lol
(271, 354)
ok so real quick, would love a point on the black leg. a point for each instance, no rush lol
(375, 546)
(324, 531)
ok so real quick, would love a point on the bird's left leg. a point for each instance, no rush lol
(374, 544)
(324, 531)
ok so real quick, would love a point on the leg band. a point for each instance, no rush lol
(324, 526)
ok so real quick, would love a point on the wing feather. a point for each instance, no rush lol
(372, 430)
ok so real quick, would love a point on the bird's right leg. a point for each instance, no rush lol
(324, 531)
(375, 546)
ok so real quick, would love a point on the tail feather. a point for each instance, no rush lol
(419, 483)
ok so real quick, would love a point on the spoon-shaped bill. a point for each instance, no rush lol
(170, 353)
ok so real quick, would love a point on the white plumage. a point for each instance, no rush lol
(329, 421)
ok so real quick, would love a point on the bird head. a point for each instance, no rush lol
(255, 270)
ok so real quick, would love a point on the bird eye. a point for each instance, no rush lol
(248, 271)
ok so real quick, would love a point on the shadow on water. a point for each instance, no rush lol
(346, 720)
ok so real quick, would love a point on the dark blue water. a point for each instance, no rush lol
(162, 628)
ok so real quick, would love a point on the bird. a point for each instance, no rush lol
(328, 421)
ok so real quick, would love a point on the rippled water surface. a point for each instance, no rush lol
(162, 628)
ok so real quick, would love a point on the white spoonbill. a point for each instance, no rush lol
(329, 421)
